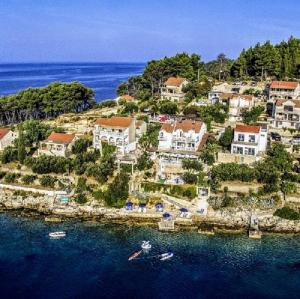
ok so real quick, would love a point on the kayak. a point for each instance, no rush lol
(134, 255)
(166, 256)
(56, 235)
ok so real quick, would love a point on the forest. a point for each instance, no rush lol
(46, 102)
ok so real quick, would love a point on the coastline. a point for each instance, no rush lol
(235, 220)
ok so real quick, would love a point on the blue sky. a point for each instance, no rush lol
(132, 30)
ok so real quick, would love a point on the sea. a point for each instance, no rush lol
(92, 262)
(102, 78)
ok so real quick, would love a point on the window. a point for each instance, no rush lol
(288, 108)
(250, 151)
(252, 138)
(237, 150)
(241, 137)
(161, 134)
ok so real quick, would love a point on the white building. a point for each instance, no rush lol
(177, 141)
(57, 144)
(141, 128)
(286, 114)
(238, 103)
(7, 137)
(284, 90)
(172, 89)
(118, 131)
(249, 140)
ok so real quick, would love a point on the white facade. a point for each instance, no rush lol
(249, 140)
(286, 114)
(284, 90)
(7, 137)
(118, 131)
(178, 141)
(238, 104)
(172, 89)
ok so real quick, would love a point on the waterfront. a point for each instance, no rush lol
(103, 78)
(91, 262)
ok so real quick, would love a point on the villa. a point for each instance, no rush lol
(284, 90)
(7, 137)
(172, 89)
(141, 128)
(177, 141)
(238, 103)
(57, 144)
(126, 98)
(118, 131)
(286, 114)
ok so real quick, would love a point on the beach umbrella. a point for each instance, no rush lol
(183, 210)
(142, 205)
(166, 215)
(129, 204)
(158, 206)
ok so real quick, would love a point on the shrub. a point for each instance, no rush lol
(80, 146)
(48, 181)
(190, 178)
(28, 179)
(80, 198)
(11, 177)
(287, 213)
(9, 154)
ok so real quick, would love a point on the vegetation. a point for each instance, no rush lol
(11, 177)
(144, 162)
(251, 116)
(48, 181)
(49, 101)
(261, 61)
(226, 139)
(9, 154)
(192, 164)
(168, 107)
(150, 138)
(220, 67)
(80, 146)
(28, 179)
(287, 213)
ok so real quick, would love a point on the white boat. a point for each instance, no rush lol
(57, 235)
(146, 245)
(166, 256)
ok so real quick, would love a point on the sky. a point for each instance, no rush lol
(139, 30)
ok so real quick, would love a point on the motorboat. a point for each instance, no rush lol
(166, 256)
(135, 254)
(56, 235)
(146, 245)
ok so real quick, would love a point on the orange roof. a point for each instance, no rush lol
(61, 137)
(281, 102)
(227, 96)
(203, 141)
(174, 81)
(115, 121)
(247, 129)
(184, 125)
(127, 97)
(3, 132)
(284, 85)
(139, 123)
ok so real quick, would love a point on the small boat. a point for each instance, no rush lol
(57, 235)
(134, 255)
(166, 256)
(146, 245)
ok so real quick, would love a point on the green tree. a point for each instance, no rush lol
(226, 139)
(21, 146)
(80, 146)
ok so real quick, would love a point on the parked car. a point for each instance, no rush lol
(296, 140)
(275, 136)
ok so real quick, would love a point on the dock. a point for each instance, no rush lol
(254, 232)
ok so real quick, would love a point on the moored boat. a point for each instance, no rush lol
(146, 245)
(134, 255)
(57, 235)
(166, 256)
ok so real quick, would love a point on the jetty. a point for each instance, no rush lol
(254, 232)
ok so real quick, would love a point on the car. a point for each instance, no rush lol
(296, 140)
(275, 136)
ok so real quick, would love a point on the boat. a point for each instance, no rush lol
(166, 256)
(146, 245)
(135, 254)
(57, 235)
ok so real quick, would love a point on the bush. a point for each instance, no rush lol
(190, 178)
(144, 162)
(107, 104)
(48, 181)
(28, 179)
(80, 146)
(9, 154)
(287, 213)
(11, 177)
(192, 164)
(2, 174)
(80, 198)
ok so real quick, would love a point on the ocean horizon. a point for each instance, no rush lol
(102, 77)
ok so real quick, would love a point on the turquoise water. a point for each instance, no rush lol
(91, 262)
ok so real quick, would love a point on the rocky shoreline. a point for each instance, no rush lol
(224, 220)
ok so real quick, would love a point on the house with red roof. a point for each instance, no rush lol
(172, 89)
(179, 140)
(7, 137)
(57, 144)
(249, 140)
(284, 90)
(118, 131)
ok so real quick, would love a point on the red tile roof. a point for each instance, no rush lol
(3, 132)
(115, 121)
(61, 137)
(184, 125)
(284, 85)
(247, 129)
(281, 102)
(139, 123)
(126, 97)
(227, 96)
(174, 81)
(203, 141)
